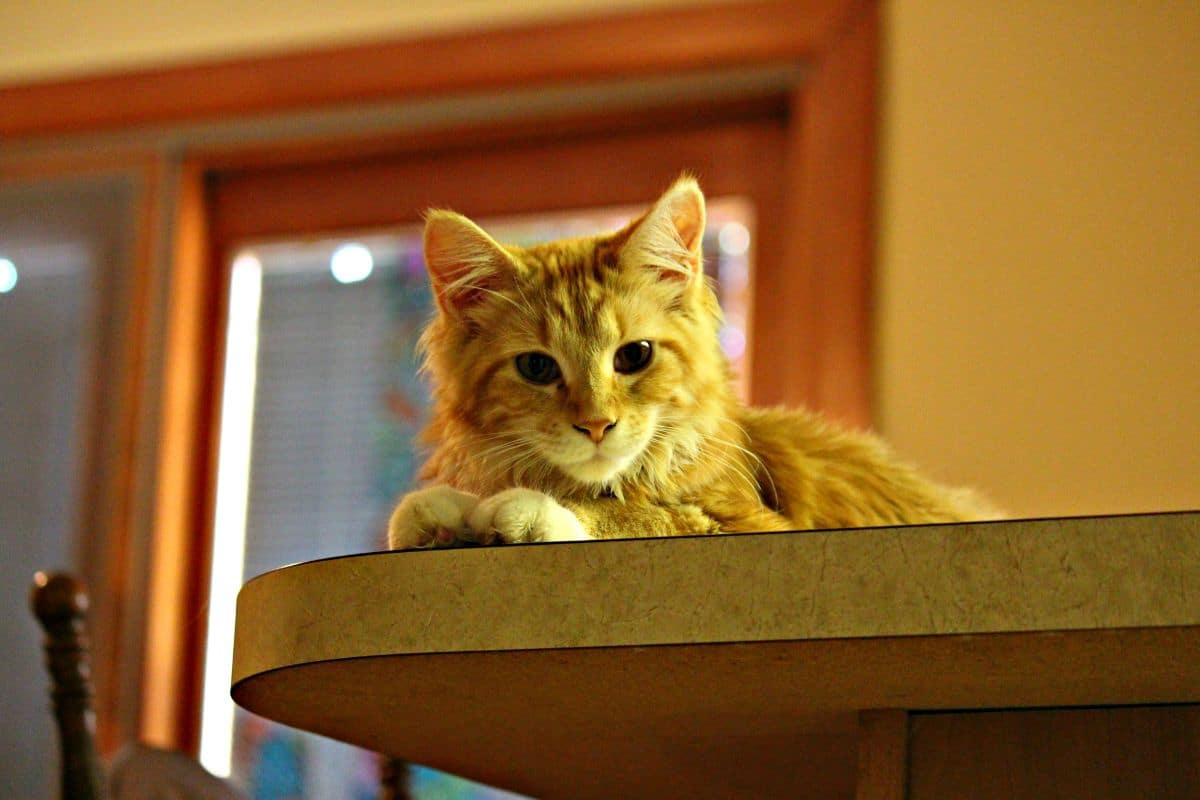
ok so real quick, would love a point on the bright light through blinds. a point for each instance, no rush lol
(8, 276)
(351, 263)
(229, 530)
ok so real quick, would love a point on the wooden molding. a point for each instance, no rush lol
(117, 424)
(24, 168)
(296, 152)
(731, 156)
(814, 322)
(181, 502)
(592, 48)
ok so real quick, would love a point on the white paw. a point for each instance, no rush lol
(433, 517)
(524, 515)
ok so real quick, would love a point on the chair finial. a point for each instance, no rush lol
(60, 603)
(57, 596)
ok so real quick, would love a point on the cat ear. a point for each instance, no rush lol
(464, 263)
(668, 238)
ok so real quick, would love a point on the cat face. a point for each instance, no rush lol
(594, 360)
(581, 373)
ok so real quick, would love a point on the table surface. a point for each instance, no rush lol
(716, 666)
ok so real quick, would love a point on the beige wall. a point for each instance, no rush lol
(1039, 325)
(53, 37)
(1039, 224)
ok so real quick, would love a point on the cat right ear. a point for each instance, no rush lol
(464, 263)
(669, 237)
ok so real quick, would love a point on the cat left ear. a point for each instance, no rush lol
(464, 263)
(669, 237)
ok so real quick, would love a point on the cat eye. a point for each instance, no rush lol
(538, 368)
(633, 357)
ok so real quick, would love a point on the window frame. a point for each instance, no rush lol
(108, 538)
(812, 328)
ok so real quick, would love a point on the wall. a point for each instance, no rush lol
(1039, 230)
(60, 37)
(1039, 308)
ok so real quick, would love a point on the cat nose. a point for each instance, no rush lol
(595, 428)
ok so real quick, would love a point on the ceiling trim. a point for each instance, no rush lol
(627, 45)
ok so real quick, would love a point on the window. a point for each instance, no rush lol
(321, 407)
(63, 245)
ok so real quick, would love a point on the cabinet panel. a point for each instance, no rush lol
(1100, 753)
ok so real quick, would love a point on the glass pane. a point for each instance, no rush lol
(57, 239)
(319, 421)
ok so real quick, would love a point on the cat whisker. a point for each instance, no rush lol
(751, 457)
(737, 470)
(754, 457)
(501, 458)
(498, 449)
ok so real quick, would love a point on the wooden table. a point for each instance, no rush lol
(808, 664)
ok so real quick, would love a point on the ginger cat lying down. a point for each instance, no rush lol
(580, 392)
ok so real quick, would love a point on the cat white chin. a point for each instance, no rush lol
(597, 469)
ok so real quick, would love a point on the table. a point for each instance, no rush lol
(807, 664)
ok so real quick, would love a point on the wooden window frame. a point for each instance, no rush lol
(106, 549)
(811, 309)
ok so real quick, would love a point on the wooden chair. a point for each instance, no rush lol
(60, 603)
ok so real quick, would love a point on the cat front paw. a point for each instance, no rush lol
(433, 517)
(524, 515)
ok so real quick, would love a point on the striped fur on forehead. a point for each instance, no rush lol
(573, 260)
(580, 290)
(571, 284)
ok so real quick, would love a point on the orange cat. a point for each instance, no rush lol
(581, 392)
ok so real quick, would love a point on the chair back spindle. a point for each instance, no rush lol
(60, 603)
